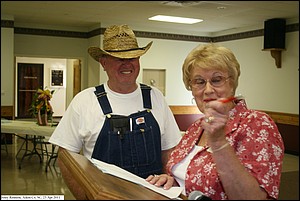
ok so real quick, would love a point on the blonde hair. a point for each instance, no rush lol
(211, 56)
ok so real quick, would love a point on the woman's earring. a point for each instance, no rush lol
(193, 101)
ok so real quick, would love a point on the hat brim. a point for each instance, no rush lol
(97, 52)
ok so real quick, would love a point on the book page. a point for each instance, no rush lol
(114, 170)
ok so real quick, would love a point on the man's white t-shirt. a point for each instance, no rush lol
(82, 122)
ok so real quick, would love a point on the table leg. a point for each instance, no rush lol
(33, 151)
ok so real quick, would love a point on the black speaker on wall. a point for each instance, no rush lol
(274, 34)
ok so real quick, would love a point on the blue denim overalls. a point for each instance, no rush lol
(131, 142)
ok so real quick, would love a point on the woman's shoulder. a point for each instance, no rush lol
(258, 114)
(251, 114)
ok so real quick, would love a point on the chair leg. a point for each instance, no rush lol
(3, 137)
(53, 155)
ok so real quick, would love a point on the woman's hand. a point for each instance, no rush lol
(216, 115)
(163, 180)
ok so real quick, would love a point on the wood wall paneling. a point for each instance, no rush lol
(7, 112)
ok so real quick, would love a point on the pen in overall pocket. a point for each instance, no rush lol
(130, 124)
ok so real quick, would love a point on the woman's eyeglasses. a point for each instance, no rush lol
(216, 81)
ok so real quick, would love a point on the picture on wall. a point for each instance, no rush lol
(57, 78)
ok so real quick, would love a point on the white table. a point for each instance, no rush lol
(19, 127)
(25, 127)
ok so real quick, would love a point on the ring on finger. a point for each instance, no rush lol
(209, 119)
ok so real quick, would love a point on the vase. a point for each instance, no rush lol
(42, 119)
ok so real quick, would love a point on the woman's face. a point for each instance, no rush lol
(209, 84)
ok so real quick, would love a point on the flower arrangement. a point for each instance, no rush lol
(41, 107)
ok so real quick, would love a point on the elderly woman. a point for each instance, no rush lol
(232, 152)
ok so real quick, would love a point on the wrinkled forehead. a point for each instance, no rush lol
(207, 72)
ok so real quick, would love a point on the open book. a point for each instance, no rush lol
(114, 170)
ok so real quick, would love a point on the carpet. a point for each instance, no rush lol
(289, 186)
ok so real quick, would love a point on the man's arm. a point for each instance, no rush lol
(72, 184)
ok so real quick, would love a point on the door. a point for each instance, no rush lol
(156, 78)
(77, 77)
(30, 78)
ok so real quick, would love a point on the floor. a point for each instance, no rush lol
(32, 179)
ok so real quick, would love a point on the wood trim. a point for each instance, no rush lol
(184, 109)
(284, 118)
(7, 112)
(143, 34)
(278, 117)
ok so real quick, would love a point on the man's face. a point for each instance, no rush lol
(121, 72)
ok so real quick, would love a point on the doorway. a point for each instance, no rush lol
(30, 78)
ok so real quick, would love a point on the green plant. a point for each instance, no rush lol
(40, 103)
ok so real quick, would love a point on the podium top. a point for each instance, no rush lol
(101, 186)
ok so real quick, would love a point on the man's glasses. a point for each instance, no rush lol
(216, 81)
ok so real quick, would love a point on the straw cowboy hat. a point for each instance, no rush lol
(120, 42)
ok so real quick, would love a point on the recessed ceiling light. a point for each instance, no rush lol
(183, 20)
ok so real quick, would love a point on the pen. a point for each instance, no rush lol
(130, 124)
(227, 99)
(231, 98)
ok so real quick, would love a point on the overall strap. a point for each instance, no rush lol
(146, 96)
(102, 99)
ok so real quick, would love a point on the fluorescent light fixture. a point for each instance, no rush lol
(183, 20)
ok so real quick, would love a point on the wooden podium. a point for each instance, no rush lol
(101, 186)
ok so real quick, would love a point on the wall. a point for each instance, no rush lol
(53, 47)
(7, 63)
(265, 86)
(59, 96)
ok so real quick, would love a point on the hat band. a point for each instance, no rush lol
(125, 50)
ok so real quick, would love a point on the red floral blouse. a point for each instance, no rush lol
(257, 143)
